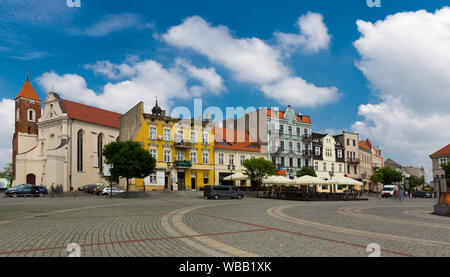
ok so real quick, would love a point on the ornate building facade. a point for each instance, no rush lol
(183, 149)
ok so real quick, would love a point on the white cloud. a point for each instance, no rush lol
(113, 23)
(251, 60)
(296, 91)
(150, 80)
(209, 78)
(312, 38)
(406, 59)
(7, 115)
(141, 81)
(112, 71)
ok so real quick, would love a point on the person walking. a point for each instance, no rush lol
(52, 190)
(401, 195)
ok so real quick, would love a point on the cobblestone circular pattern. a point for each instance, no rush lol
(180, 224)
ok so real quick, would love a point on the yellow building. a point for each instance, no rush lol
(183, 149)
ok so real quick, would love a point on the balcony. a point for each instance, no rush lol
(353, 161)
(182, 164)
(182, 144)
(307, 153)
(307, 137)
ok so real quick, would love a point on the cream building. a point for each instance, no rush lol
(230, 154)
(63, 146)
(328, 159)
(350, 141)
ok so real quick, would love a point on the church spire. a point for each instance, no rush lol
(28, 91)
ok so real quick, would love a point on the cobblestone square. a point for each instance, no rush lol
(183, 224)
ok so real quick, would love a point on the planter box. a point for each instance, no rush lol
(441, 209)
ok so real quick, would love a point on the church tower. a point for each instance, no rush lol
(27, 113)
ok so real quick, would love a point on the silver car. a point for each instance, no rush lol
(113, 191)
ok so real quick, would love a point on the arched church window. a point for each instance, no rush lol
(31, 115)
(99, 152)
(80, 150)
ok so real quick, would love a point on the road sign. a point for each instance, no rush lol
(107, 170)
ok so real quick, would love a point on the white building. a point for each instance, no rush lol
(64, 145)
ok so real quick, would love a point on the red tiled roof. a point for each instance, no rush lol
(91, 114)
(364, 145)
(369, 143)
(28, 92)
(304, 119)
(224, 140)
(441, 152)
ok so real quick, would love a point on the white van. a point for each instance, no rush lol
(389, 191)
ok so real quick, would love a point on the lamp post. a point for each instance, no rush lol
(232, 168)
(169, 167)
(364, 175)
(331, 177)
(437, 186)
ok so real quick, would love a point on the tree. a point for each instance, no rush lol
(129, 160)
(415, 182)
(446, 168)
(306, 171)
(386, 176)
(258, 169)
(7, 172)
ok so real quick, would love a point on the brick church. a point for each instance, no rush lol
(59, 142)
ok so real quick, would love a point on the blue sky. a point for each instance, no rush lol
(106, 45)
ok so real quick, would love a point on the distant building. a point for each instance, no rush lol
(407, 171)
(442, 156)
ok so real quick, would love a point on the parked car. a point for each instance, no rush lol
(42, 191)
(113, 191)
(216, 192)
(24, 190)
(422, 194)
(98, 189)
(91, 188)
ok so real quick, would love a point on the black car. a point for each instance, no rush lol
(26, 190)
(422, 194)
(216, 192)
(91, 188)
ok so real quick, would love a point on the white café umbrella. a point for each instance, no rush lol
(342, 180)
(236, 177)
(277, 180)
(309, 180)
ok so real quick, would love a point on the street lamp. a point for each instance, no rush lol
(232, 168)
(331, 177)
(364, 175)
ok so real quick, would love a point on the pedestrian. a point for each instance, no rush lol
(52, 190)
(400, 195)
